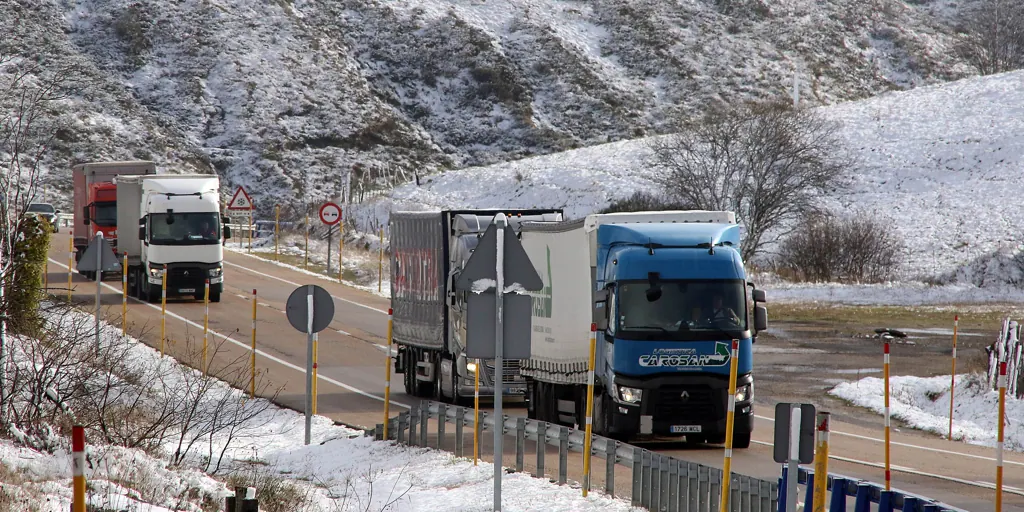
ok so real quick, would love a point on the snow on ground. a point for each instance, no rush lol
(341, 470)
(923, 403)
(939, 162)
(360, 255)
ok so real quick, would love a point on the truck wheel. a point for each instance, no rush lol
(741, 440)
(214, 296)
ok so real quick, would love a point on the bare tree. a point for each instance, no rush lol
(30, 94)
(993, 36)
(765, 161)
(856, 248)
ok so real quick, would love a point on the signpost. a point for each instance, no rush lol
(310, 309)
(330, 214)
(499, 258)
(99, 257)
(794, 443)
(241, 201)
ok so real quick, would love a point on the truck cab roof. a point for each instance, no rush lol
(676, 251)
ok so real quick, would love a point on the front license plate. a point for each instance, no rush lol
(515, 391)
(187, 290)
(685, 429)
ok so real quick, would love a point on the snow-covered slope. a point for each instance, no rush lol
(288, 97)
(944, 163)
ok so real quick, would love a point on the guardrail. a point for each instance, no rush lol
(865, 493)
(659, 482)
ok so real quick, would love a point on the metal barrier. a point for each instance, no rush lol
(865, 493)
(659, 482)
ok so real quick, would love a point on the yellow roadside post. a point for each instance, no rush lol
(590, 411)
(821, 463)
(78, 468)
(888, 472)
(206, 325)
(952, 378)
(316, 342)
(71, 264)
(277, 231)
(387, 375)
(306, 264)
(730, 419)
(163, 311)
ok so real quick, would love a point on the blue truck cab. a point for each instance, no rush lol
(670, 299)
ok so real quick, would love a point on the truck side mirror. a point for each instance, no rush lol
(85, 215)
(601, 309)
(760, 318)
(227, 231)
(759, 295)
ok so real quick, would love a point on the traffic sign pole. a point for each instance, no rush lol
(99, 286)
(309, 361)
(499, 360)
(793, 466)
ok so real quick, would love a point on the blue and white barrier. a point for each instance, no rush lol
(864, 493)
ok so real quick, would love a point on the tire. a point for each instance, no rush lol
(741, 440)
(151, 294)
(407, 376)
(214, 296)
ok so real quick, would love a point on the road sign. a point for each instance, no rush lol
(483, 263)
(490, 302)
(310, 309)
(330, 213)
(783, 417)
(298, 305)
(107, 262)
(794, 445)
(241, 200)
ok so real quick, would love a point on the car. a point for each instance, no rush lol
(46, 211)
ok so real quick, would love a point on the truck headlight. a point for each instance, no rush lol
(156, 272)
(745, 392)
(626, 394)
(471, 367)
(216, 272)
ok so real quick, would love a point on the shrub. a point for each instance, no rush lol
(642, 201)
(852, 249)
(23, 286)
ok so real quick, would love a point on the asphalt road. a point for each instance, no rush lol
(351, 358)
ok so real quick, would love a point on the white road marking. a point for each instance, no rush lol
(371, 308)
(248, 347)
(912, 471)
(343, 332)
(906, 445)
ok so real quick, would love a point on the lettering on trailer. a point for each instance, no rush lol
(542, 300)
(416, 275)
(686, 357)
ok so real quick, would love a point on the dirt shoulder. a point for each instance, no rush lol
(810, 348)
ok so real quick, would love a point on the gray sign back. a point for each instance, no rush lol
(108, 260)
(323, 308)
(783, 416)
(515, 326)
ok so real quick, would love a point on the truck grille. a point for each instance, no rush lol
(701, 403)
(187, 277)
(511, 373)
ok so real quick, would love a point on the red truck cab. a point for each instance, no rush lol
(101, 211)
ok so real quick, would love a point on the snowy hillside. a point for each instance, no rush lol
(943, 163)
(288, 97)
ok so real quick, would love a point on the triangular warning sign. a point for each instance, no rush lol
(240, 201)
(108, 260)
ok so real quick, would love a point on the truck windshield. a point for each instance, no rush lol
(683, 310)
(201, 228)
(105, 214)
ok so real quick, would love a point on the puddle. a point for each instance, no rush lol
(939, 331)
